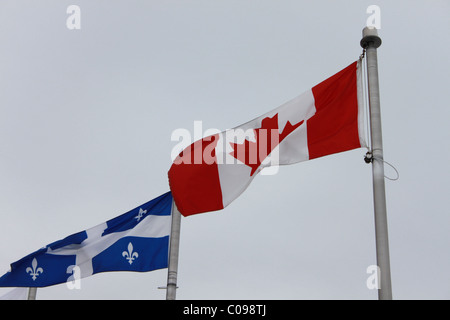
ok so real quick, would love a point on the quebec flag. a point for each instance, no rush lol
(134, 241)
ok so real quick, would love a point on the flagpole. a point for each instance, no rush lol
(32, 293)
(370, 42)
(172, 272)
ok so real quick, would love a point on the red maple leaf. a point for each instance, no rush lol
(267, 138)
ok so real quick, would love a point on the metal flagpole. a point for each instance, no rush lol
(173, 253)
(32, 293)
(370, 42)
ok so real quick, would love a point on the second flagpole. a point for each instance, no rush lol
(174, 246)
(32, 293)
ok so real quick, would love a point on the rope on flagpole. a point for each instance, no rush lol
(368, 158)
(363, 54)
(365, 96)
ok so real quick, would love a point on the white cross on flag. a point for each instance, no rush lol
(134, 241)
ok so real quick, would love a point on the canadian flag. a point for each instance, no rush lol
(212, 172)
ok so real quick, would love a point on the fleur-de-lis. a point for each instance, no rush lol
(130, 255)
(34, 271)
(140, 214)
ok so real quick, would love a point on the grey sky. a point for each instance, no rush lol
(86, 118)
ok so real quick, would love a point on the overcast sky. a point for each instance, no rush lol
(86, 118)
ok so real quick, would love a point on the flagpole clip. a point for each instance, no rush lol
(368, 158)
(363, 54)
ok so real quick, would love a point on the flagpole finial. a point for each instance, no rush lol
(370, 38)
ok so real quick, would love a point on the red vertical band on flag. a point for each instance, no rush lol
(194, 178)
(334, 127)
